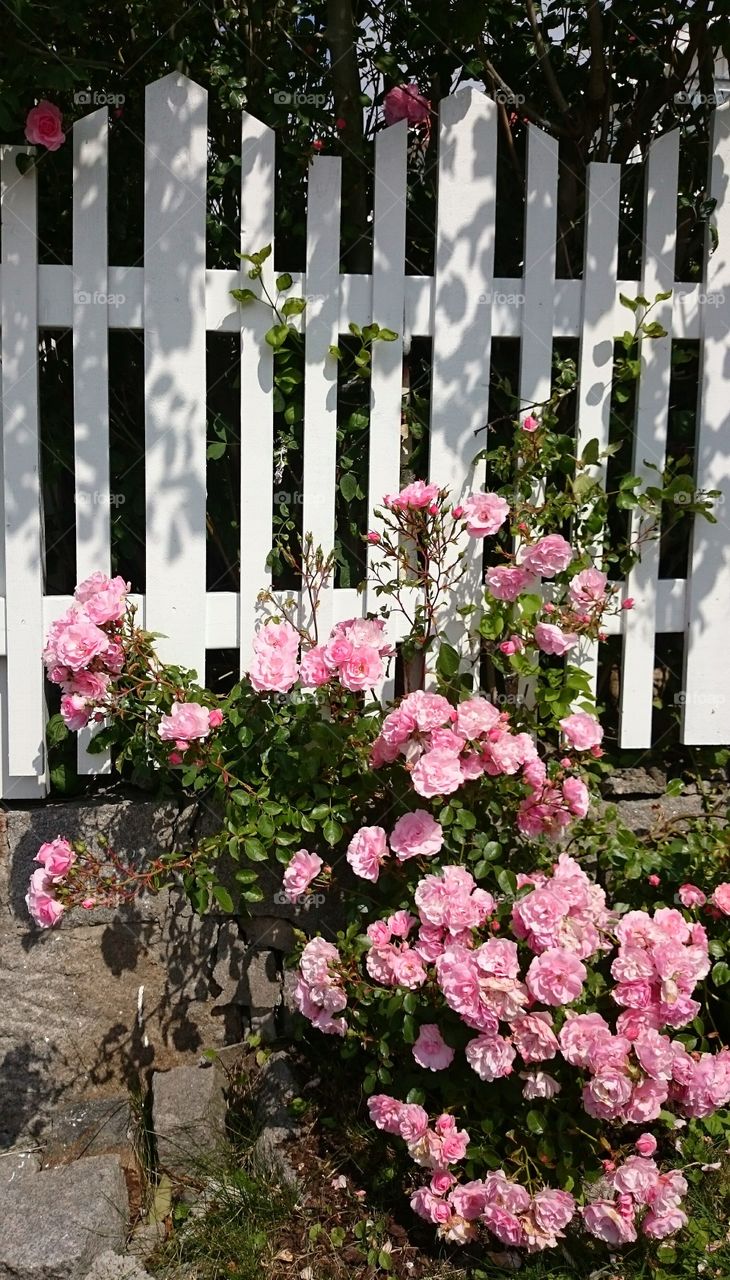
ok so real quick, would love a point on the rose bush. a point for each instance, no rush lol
(513, 1016)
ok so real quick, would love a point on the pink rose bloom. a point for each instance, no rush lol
(187, 722)
(301, 871)
(385, 1112)
(414, 497)
(89, 684)
(79, 643)
(362, 670)
(553, 1210)
(431, 1050)
(646, 1144)
(556, 977)
(490, 1056)
(468, 1199)
(426, 711)
(44, 126)
(273, 670)
(538, 1084)
(646, 1102)
(550, 639)
(534, 1038)
(108, 605)
(41, 904)
(485, 513)
(75, 711)
(113, 657)
(655, 1054)
(416, 835)
(690, 896)
(507, 582)
(659, 1226)
(475, 717)
(282, 637)
(575, 794)
(313, 669)
(412, 1122)
(215, 718)
(406, 102)
(637, 1177)
(721, 898)
(582, 730)
(607, 1094)
(56, 856)
(437, 773)
(588, 588)
(401, 923)
(407, 969)
(430, 1206)
(504, 1225)
(548, 556)
(366, 851)
(530, 423)
(603, 1220)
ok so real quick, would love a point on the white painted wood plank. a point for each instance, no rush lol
(320, 373)
(91, 367)
(650, 435)
(706, 716)
(257, 377)
(595, 360)
(536, 345)
(389, 263)
(176, 142)
(23, 703)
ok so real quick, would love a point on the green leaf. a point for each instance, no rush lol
(216, 450)
(535, 1122)
(332, 831)
(244, 295)
(507, 880)
(409, 1029)
(277, 335)
(388, 335)
(254, 850)
(348, 486)
(720, 973)
(447, 662)
(293, 307)
(56, 730)
(284, 281)
(223, 898)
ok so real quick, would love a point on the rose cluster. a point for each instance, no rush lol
(319, 994)
(56, 857)
(186, 723)
(644, 1196)
(83, 650)
(353, 655)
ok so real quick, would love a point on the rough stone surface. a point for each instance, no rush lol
(56, 1222)
(635, 782)
(275, 1089)
(109, 996)
(18, 1164)
(269, 932)
(230, 960)
(643, 816)
(88, 1127)
(188, 1115)
(261, 981)
(112, 1266)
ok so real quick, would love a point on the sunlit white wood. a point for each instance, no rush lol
(176, 141)
(706, 711)
(650, 435)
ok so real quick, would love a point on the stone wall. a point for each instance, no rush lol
(111, 996)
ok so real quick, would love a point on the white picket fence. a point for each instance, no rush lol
(174, 300)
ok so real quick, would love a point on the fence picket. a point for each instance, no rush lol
(24, 712)
(706, 713)
(321, 320)
(538, 302)
(660, 233)
(176, 143)
(598, 326)
(257, 378)
(91, 367)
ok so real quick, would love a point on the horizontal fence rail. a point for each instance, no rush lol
(175, 302)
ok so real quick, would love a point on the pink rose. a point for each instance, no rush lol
(582, 730)
(89, 684)
(76, 711)
(362, 670)
(507, 582)
(407, 969)
(431, 1050)
(215, 718)
(79, 643)
(475, 717)
(490, 1056)
(415, 496)
(548, 556)
(530, 423)
(690, 896)
(282, 637)
(313, 669)
(485, 513)
(44, 126)
(646, 1101)
(42, 905)
(637, 1177)
(534, 1038)
(56, 856)
(604, 1221)
(607, 1094)
(385, 1112)
(437, 773)
(556, 977)
(646, 1144)
(550, 639)
(273, 670)
(416, 835)
(366, 851)
(575, 794)
(301, 871)
(553, 1210)
(579, 1035)
(538, 1084)
(187, 721)
(588, 588)
(721, 898)
(412, 1122)
(406, 102)
(659, 1226)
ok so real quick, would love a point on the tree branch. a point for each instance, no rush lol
(544, 59)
